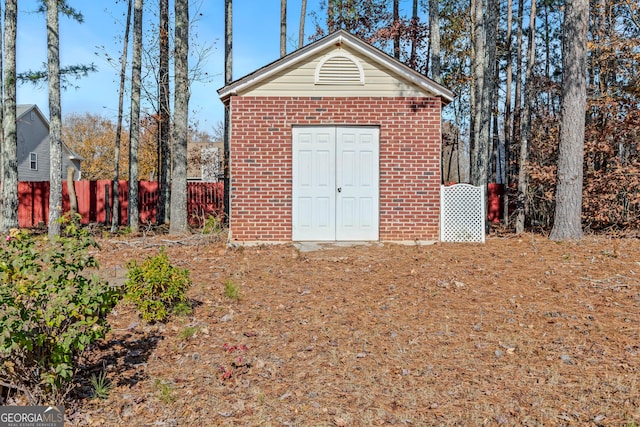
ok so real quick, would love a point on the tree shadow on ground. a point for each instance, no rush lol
(123, 359)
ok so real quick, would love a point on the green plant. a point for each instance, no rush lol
(50, 310)
(182, 308)
(188, 332)
(212, 225)
(155, 287)
(124, 231)
(101, 385)
(231, 290)
(165, 390)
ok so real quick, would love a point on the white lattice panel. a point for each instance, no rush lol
(462, 213)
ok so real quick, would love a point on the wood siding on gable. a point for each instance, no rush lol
(33, 137)
(300, 81)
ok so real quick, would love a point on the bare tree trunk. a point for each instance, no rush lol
(508, 119)
(1, 120)
(475, 96)
(462, 158)
(9, 122)
(492, 73)
(228, 78)
(547, 56)
(55, 119)
(134, 130)
(496, 172)
(303, 17)
(567, 224)
(73, 200)
(283, 28)
(165, 116)
(434, 39)
(517, 112)
(396, 35)
(115, 218)
(484, 57)
(414, 43)
(523, 181)
(180, 120)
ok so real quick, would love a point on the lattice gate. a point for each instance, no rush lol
(462, 215)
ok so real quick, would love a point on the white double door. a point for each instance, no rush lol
(335, 183)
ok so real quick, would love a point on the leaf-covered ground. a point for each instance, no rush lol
(518, 331)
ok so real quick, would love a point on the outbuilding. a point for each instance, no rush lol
(337, 141)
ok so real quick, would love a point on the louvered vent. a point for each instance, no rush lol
(339, 70)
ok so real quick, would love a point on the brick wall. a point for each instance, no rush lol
(261, 156)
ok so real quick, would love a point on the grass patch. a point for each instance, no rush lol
(101, 385)
(231, 290)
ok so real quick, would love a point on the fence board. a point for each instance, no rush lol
(203, 199)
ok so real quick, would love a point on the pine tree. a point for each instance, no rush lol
(55, 118)
(134, 129)
(178, 223)
(567, 224)
(9, 128)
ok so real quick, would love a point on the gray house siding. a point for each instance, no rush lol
(33, 137)
(69, 158)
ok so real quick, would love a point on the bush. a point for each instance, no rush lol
(50, 311)
(156, 287)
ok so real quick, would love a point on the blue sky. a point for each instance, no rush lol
(256, 43)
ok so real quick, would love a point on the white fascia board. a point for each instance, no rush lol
(402, 70)
(340, 37)
(274, 68)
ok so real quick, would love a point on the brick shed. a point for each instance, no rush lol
(336, 141)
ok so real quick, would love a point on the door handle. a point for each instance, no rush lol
(339, 189)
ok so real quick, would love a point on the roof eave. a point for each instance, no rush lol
(339, 37)
(403, 70)
(285, 62)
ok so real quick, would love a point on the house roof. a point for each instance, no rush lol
(23, 109)
(71, 154)
(338, 38)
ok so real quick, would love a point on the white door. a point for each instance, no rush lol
(335, 183)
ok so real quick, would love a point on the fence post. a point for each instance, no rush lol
(107, 215)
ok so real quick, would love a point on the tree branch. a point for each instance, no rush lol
(40, 77)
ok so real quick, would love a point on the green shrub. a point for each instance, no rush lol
(156, 286)
(50, 311)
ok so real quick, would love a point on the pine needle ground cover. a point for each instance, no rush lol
(518, 331)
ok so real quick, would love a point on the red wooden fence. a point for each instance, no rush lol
(94, 201)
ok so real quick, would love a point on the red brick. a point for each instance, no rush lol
(409, 161)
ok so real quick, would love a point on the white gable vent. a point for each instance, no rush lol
(339, 69)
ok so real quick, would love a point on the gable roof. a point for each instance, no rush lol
(23, 109)
(338, 38)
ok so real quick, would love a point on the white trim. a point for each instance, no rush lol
(33, 154)
(405, 72)
(338, 54)
(338, 39)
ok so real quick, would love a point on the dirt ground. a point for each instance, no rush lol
(518, 331)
